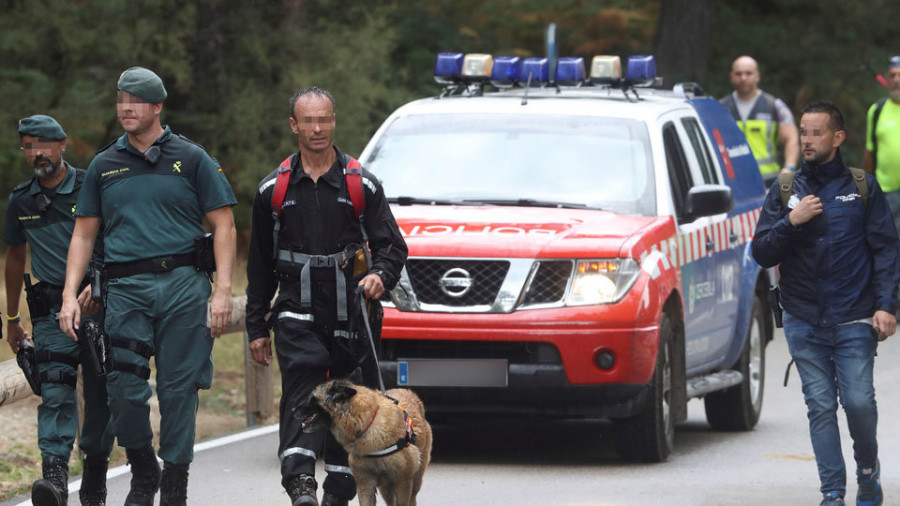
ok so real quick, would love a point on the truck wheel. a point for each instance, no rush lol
(650, 435)
(738, 407)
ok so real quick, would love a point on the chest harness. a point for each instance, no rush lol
(336, 261)
(409, 437)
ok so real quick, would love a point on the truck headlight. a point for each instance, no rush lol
(601, 281)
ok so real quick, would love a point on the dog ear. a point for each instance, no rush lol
(356, 377)
(345, 393)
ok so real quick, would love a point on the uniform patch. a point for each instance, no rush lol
(793, 201)
(289, 203)
(850, 197)
(115, 172)
(176, 167)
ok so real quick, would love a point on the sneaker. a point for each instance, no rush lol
(832, 499)
(869, 492)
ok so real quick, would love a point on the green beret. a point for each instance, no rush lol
(143, 84)
(41, 125)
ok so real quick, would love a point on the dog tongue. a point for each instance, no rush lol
(308, 420)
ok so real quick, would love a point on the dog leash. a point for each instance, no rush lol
(365, 318)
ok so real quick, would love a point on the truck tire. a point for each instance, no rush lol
(738, 408)
(650, 435)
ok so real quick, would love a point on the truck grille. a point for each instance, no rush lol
(484, 280)
(549, 283)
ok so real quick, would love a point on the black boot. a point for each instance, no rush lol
(93, 481)
(53, 489)
(173, 487)
(330, 500)
(144, 476)
(302, 490)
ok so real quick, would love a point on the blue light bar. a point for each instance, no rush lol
(641, 68)
(506, 71)
(448, 68)
(537, 67)
(570, 71)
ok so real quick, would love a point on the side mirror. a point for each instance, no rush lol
(708, 200)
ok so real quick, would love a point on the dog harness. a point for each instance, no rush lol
(408, 439)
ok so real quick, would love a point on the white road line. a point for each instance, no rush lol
(75, 486)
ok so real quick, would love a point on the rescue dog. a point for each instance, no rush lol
(386, 437)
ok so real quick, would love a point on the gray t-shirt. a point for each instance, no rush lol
(785, 117)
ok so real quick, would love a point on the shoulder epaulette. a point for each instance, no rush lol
(190, 141)
(104, 148)
(22, 185)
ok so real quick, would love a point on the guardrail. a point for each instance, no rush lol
(13, 386)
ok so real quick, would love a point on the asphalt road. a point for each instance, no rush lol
(573, 463)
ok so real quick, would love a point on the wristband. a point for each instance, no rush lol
(13, 319)
(791, 167)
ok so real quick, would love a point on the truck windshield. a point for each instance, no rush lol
(512, 159)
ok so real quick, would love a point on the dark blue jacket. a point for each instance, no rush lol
(841, 265)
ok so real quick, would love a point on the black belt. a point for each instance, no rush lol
(147, 266)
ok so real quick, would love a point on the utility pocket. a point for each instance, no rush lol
(297, 342)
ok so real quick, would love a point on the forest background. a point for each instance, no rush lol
(231, 65)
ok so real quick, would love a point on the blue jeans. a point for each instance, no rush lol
(832, 361)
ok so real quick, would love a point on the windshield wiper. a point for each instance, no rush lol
(537, 203)
(404, 200)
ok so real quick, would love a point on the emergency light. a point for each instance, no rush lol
(606, 69)
(570, 71)
(477, 67)
(641, 69)
(538, 68)
(506, 71)
(448, 68)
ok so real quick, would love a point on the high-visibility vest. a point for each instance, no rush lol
(760, 129)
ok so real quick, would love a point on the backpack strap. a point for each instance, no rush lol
(785, 186)
(878, 107)
(281, 188)
(859, 177)
(353, 176)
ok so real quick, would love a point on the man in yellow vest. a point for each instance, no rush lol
(765, 120)
(882, 154)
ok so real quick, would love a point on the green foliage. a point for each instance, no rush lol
(230, 66)
(809, 50)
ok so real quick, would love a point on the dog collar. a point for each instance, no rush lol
(408, 439)
(363, 433)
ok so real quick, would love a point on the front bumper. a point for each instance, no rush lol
(533, 389)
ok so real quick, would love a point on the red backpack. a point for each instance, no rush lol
(352, 174)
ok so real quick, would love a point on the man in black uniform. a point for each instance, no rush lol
(41, 212)
(313, 249)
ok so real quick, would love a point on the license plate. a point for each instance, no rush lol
(452, 373)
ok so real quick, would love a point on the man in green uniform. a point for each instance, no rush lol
(41, 213)
(150, 191)
(765, 120)
(882, 155)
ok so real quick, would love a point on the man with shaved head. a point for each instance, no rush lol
(765, 120)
